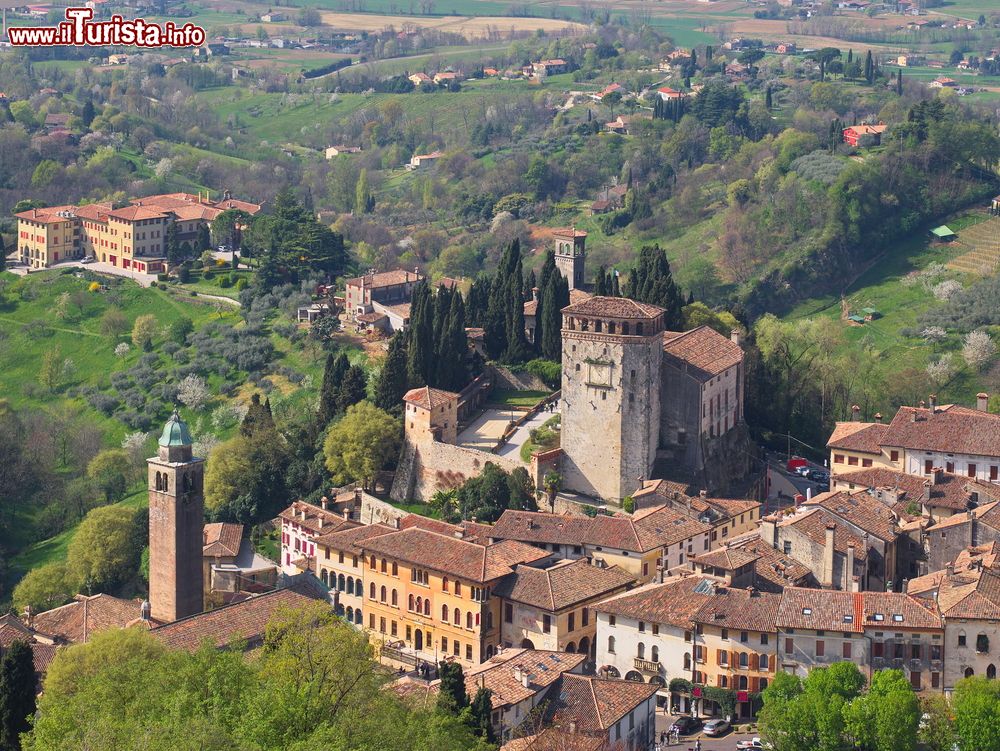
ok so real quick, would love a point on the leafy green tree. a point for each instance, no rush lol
(362, 444)
(143, 331)
(452, 697)
(976, 706)
(886, 717)
(44, 588)
(245, 476)
(17, 694)
(390, 386)
(101, 554)
(937, 731)
(225, 230)
(108, 471)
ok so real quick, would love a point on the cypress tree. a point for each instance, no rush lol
(899, 83)
(333, 375)
(529, 284)
(420, 348)
(353, 388)
(442, 304)
(869, 67)
(452, 697)
(452, 348)
(547, 268)
(850, 55)
(391, 384)
(652, 282)
(18, 687)
(88, 113)
(478, 301)
(205, 240)
(494, 323)
(556, 298)
(258, 418)
(518, 349)
(767, 98)
(3, 254)
(601, 283)
(481, 712)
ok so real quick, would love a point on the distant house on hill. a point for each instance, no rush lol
(668, 94)
(419, 79)
(422, 161)
(864, 135)
(333, 151)
(272, 17)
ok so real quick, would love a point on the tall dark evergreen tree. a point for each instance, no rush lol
(18, 688)
(420, 349)
(478, 301)
(258, 419)
(529, 284)
(3, 254)
(333, 375)
(601, 283)
(452, 697)
(556, 297)
(481, 714)
(391, 384)
(652, 282)
(88, 113)
(495, 322)
(899, 83)
(171, 244)
(518, 349)
(869, 68)
(353, 388)
(205, 239)
(450, 358)
(768, 101)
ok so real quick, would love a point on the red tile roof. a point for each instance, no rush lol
(865, 437)
(859, 509)
(740, 609)
(565, 585)
(241, 621)
(80, 619)
(46, 215)
(898, 610)
(597, 704)
(821, 610)
(949, 429)
(703, 351)
(773, 570)
(674, 602)
(453, 556)
(315, 519)
(613, 307)
(429, 398)
(468, 530)
(813, 524)
(497, 674)
(384, 279)
(222, 539)
(947, 491)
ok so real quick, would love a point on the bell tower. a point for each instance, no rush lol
(571, 255)
(176, 523)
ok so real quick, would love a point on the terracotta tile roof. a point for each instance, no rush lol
(674, 602)
(78, 620)
(865, 437)
(988, 514)
(773, 570)
(898, 610)
(644, 531)
(948, 490)
(678, 496)
(497, 674)
(352, 538)
(372, 317)
(429, 398)
(95, 212)
(727, 558)
(740, 609)
(568, 232)
(385, 279)
(458, 558)
(821, 610)
(222, 539)
(136, 213)
(42, 656)
(950, 429)
(704, 351)
(12, 629)
(596, 704)
(613, 307)
(973, 594)
(813, 523)
(311, 521)
(470, 531)
(46, 215)
(858, 509)
(241, 621)
(555, 739)
(564, 585)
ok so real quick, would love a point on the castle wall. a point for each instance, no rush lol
(430, 466)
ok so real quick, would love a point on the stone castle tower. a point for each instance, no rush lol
(176, 523)
(612, 350)
(571, 255)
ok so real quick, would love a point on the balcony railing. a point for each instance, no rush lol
(646, 666)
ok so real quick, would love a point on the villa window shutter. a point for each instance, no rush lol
(754, 685)
(718, 656)
(754, 661)
(734, 659)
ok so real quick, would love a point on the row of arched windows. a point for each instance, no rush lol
(341, 583)
(383, 566)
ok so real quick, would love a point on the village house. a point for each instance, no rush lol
(333, 151)
(748, 561)
(864, 136)
(77, 621)
(549, 67)
(550, 607)
(423, 161)
(43, 649)
(728, 517)
(302, 523)
(611, 88)
(818, 627)
(613, 714)
(431, 414)
(431, 595)
(419, 79)
(967, 594)
(381, 295)
(905, 633)
(640, 544)
(647, 636)
(736, 629)
(231, 565)
(622, 124)
(944, 541)
(131, 237)
(445, 77)
(785, 48)
(943, 82)
(668, 94)
(340, 566)
(960, 440)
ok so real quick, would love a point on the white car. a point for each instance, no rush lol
(716, 727)
(87, 259)
(754, 744)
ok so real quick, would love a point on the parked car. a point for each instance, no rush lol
(795, 462)
(685, 725)
(87, 259)
(802, 471)
(819, 475)
(753, 744)
(717, 727)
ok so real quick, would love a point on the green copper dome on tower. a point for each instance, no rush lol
(175, 432)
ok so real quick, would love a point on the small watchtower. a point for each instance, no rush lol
(571, 255)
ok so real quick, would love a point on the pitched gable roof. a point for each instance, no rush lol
(866, 437)
(703, 352)
(674, 602)
(858, 509)
(596, 704)
(564, 585)
(86, 615)
(821, 610)
(949, 429)
(613, 307)
(740, 609)
(222, 539)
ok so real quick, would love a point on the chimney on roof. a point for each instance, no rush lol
(534, 294)
(517, 673)
(323, 502)
(849, 573)
(752, 592)
(736, 337)
(878, 417)
(826, 577)
(949, 569)
(357, 495)
(346, 514)
(769, 530)
(913, 416)
(525, 679)
(932, 403)
(703, 493)
(982, 401)
(855, 412)
(923, 404)
(459, 534)
(29, 616)
(319, 521)
(937, 474)
(572, 726)
(144, 610)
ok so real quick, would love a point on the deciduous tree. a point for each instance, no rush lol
(362, 444)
